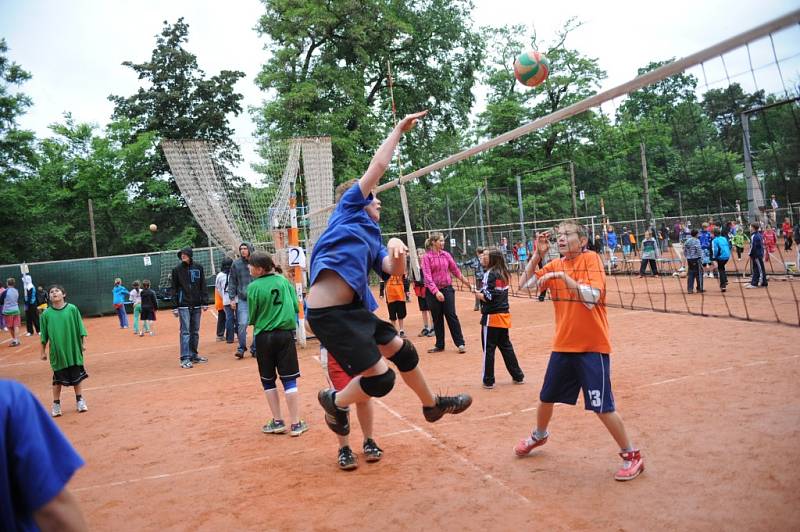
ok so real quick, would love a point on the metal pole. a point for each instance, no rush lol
(91, 226)
(297, 274)
(754, 195)
(574, 199)
(680, 205)
(480, 214)
(488, 212)
(449, 223)
(521, 211)
(648, 213)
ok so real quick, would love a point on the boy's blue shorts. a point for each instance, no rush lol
(706, 256)
(568, 373)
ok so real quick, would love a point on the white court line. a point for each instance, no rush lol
(436, 441)
(89, 354)
(720, 370)
(174, 377)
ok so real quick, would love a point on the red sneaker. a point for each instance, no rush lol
(632, 465)
(525, 446)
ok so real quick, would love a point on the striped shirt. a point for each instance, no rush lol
(692, 249)
(437, 268)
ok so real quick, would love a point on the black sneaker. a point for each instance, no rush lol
(347, 460)
(372, 453)
(199, 360)
(446, 404)
(431, 333)
(338, 419)
(239, 354)
(423, 332)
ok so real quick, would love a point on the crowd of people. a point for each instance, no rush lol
(357, 347)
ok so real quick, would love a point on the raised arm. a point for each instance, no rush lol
(542, 246)
(382, 158)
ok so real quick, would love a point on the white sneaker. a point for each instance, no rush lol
(28, 334)
(56, 411)
(82, 405)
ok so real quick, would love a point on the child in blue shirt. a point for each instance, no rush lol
(757, 257)
(341, 306)
(721, 248)
(120, 293)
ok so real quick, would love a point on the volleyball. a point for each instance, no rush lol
(153, 228)
(531, 68)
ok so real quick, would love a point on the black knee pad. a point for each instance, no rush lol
(406, 357)
(378, 385)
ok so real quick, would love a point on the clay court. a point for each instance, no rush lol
(711, 403)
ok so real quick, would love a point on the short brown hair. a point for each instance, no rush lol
(342, 188)
(11, 281)
(579, 227)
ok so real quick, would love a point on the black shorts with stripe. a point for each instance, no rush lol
(351, 334)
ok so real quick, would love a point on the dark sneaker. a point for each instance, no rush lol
(275, 426)
(431, 333)
(446, 404)
(372, 453)
(423, 332)
(436, 350)
(199, 360)
(298, 428)
(239, 354)
(347, 460)
(337, 419)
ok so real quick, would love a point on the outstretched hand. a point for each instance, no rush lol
(396, 248)
(407, 123)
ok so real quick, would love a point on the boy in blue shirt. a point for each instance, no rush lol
(722, 254)
(705, 247)
(757, 257)
(36, 463)
(341, 305)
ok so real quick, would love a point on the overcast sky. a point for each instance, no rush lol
(74, 49)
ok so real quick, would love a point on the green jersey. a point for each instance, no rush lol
(272, 304)
(63, 328)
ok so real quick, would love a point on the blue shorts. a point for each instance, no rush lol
(568, 373)
(706, 256)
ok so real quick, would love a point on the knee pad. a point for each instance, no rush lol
(406, 357)
(268, 384)
(378, 385)
(289, 385)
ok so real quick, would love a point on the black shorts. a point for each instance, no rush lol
(276, 355)
(351, 334)
(423, 303)
(69, 376)
(397, 310)
(148, 314)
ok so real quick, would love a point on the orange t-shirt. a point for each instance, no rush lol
(578, 329)
(395, 291)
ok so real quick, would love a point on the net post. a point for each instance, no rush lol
(297, 275)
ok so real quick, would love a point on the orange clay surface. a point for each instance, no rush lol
(712, 403)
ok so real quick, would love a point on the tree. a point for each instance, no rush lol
(179, 102)
(328, 73)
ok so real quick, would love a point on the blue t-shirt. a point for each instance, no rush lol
(36, 460)
(722, 248)
(351, 245)
(612, 240)
(705, 239)
(522, 253)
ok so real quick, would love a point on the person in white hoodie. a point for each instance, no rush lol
(31, 312)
